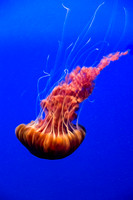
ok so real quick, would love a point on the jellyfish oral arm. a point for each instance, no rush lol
(111, 57)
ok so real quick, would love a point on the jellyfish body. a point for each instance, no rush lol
(55, 136)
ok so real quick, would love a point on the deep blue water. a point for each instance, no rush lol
(102, 167)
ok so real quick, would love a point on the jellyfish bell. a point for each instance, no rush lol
(53, 135)
(48, 145)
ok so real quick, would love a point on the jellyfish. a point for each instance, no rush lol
(56, 136)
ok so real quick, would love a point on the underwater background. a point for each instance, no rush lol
(102, 167)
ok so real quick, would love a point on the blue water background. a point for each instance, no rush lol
(102, 167)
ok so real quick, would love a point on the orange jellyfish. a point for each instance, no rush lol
(55, 136)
